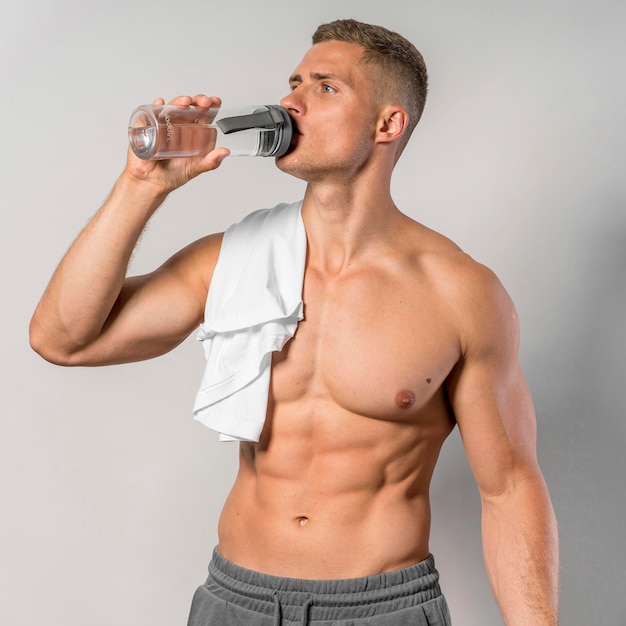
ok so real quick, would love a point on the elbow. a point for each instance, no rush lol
(44, 345)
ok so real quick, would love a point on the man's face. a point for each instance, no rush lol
(331, 106)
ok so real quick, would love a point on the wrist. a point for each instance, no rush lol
(140, 192)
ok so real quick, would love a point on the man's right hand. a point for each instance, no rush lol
(169, 174)
(91, 313)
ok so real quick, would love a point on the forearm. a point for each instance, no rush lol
(85, 286)
(520, 545)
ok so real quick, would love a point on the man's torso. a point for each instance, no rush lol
(338, 485)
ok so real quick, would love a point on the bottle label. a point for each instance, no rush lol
(170, 128)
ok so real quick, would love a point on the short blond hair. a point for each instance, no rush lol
(403, 70)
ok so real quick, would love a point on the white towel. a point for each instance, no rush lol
(253, 308)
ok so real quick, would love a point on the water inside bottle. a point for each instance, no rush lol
(175, 140)
(185, 140)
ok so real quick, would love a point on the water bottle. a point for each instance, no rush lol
(163, 131)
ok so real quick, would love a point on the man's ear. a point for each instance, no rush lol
(392, 123)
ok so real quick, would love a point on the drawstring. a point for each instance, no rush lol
(305, 612)
(278, 611)
(278, 618)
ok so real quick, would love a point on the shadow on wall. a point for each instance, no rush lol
(578, 380)
(582, 439)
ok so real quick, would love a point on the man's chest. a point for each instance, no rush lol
(381, 348)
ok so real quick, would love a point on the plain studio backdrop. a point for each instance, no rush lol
(110, 492)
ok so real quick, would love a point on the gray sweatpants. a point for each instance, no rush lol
(234, 596)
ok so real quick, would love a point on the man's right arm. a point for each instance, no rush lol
(90, 313)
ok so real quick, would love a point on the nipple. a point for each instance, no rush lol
(405, 399)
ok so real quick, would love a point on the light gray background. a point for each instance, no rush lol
(110, 492)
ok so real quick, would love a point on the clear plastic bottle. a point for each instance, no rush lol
(168, 131)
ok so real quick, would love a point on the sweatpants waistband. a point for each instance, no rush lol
(301, 600)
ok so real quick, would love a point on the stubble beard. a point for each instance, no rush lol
(323, 169)
(303, 169)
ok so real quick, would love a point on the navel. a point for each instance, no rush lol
(302, 520)
(405, 399)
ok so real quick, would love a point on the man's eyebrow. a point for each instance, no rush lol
(297, 78)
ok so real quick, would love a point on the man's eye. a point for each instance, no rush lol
(327, 89)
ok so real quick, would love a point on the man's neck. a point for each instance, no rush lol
(344, 223)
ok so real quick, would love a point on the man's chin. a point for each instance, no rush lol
(284, 161)
(291, 165)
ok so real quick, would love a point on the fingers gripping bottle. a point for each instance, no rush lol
(168, 131)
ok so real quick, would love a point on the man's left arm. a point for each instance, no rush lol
(496, 419)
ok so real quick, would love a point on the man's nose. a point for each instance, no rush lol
(292, 102)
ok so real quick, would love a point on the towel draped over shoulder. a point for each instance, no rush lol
(253, 308)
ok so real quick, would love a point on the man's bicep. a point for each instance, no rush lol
(155, 312)
(491, 401)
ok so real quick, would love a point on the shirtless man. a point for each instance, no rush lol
(403, 337)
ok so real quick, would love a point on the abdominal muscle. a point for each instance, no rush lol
(328, 494)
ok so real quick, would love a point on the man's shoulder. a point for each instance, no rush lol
(444, 260)
(467, 287)
(195, 263)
